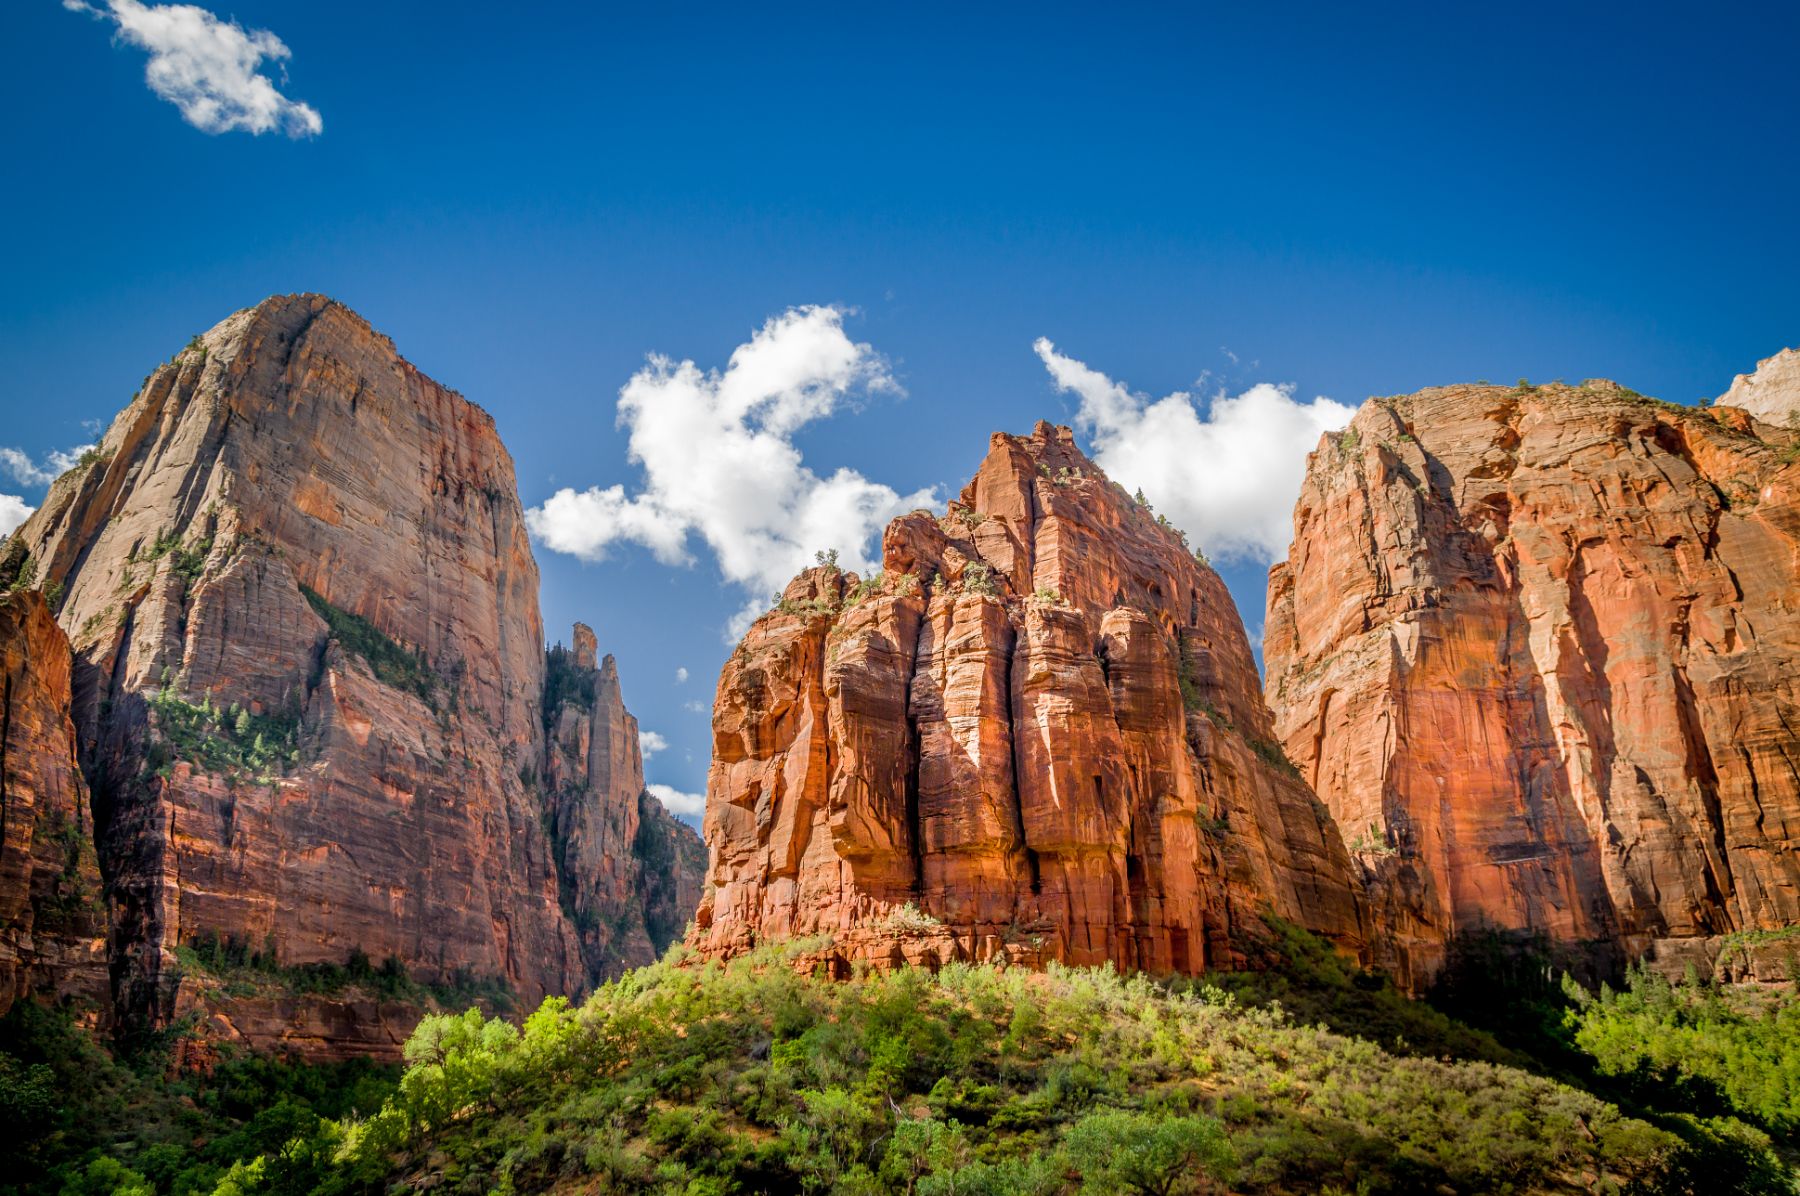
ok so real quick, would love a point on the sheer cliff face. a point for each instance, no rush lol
(52, 912)
(1536, 649)
(631, 871)
(309, 667)
(1037, 734)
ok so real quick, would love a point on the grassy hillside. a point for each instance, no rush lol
(752, 1078)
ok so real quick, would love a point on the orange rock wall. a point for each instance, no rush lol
(52, 909)
(291, 449)
(1037, 734)
(1536, 650)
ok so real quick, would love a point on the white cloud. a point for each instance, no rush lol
(22, 469)
(13, 511)
(681, 676)
(1227, 478)
(676, 802)
(208, 68)
(720, 463)
(696, 707)
(650, 743)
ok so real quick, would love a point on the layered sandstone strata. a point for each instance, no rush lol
(52, 910)
(309, 676)
(1536, 647)
(1036, 734)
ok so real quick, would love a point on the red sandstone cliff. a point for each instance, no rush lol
(52, 912)
(309, 675)
(1037, 734)
(1536, 648)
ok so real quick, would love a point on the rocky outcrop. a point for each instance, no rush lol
(52, 913)
(309, 678)
(1771, 393)
(631, 872)
(1536, 648)
(1036, 734)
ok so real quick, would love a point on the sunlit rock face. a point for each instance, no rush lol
(1771, 392)
(1537, 650)
(1037, 734)
(308, 685)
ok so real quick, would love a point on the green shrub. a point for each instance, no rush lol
(395, 666)
(977, 578)
(230, 742)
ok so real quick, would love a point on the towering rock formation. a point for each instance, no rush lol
(631, 871)
(1036, 734)
(1537, 649)
(309, 679)
(52, 912)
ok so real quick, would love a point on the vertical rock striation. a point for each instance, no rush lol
(309, 678)
(52, 913)
(1036, 734)
(631, 872)
(1536, 649)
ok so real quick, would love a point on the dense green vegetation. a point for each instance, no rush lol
(227, 741)
(76, 1121)
(1307, 1075)
(394, 665)
(978, 1079)
(1731, 1049)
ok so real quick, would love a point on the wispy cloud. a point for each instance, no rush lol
(719, 459)
(681, 676)
(650, 743)
(1227, 477)
(13, 511)
(676, 802)
(210, 69)
(18, 465)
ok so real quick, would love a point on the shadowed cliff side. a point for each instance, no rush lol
(631, 872)
(52, 911)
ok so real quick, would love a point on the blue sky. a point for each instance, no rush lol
(1343, 199)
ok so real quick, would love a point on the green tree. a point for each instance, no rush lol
(1154, 1156)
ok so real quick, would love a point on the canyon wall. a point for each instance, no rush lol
(309, 683)
(1036, 734)
(1536, 648)
(52, 908)
(631, 871)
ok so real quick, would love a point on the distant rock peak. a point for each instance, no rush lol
(1771, 393)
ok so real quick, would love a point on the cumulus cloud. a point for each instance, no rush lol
(681, 676)
(650, 743)
(18, 465)
(719, 461)
(208, 68)
(1227, 476)
(676, 802)
(13, 511)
